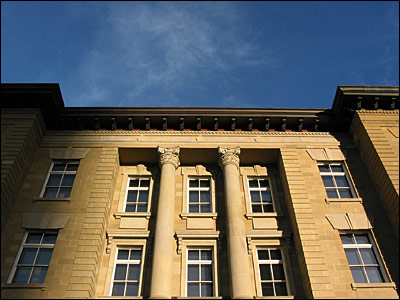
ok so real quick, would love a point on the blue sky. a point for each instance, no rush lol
(200, 54)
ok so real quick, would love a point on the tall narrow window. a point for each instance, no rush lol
(260, 195)
(272, 273)
(34, 257)
(336, 181)
(200, 281)
(60, 179)
(137, 196)
(199, 196)
(127, 272)
(361, 255)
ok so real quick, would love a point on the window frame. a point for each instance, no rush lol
(259, 189)
(149, 188)
(199, 189)
(50, 172)
(24, 245)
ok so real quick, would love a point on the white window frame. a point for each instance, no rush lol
(50, 172)
(259, 189)
(24, 245)
(199, 189)
(128, 188)
(200, 262)
(333, 174)
(375, 251)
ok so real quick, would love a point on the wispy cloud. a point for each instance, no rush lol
(151, 51)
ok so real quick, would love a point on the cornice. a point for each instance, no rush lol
(378, 112)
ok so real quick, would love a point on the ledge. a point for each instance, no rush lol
(40, 286)
(274, 297)
(119, 297)
(250, 216)
(341, 200)
(60, 199)
(356, 286)
(119, 215)
(184, 216)
(198, 298)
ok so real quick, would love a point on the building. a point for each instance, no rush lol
(206, 202)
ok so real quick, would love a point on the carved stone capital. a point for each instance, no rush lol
(228, 156)
(169, 155)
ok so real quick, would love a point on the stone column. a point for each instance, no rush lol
(161, 278)
(241, 287)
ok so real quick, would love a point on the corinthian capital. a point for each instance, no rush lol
(228, 156)
(169, 155)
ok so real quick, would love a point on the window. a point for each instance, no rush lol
(200, 281)
(60, 179)
(362, 258)
(137, 196)
(199, 195)
(336, 181)
(127, 272)
(260, 195)
(272, 273)
(34, 257)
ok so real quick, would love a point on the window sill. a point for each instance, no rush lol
(40, 286)
(250, 216)
(51, 199)
(197, 297)
(341, 200)
(274, 297)
(184, 216)
(119, 297)
(119, 215)
(356, 286)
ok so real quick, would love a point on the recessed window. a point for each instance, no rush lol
(137, 196)
(199, 195)
(272, 272)
(200, 279)
(60, 179)
(34, 257)
(260, 196)
(127, 272)
(336, 181)
(361, 255)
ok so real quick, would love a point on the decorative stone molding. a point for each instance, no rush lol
(349, 221)
(197, 235)
(169, 155)
(68, 153)
(326, 154)
(44, 220)
(127, 235)
(228, 156)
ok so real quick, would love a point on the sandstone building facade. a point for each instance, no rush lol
(199, 202)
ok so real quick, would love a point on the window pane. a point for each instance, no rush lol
(134, 183)
(267, 289)
(205, 196)
(346, 239)
(54, 180)
(268, 208)
(44, 256)
(120, 272)
(368, 256)
(132, 289)
(352, 256)
(206, 273)
(265, 272)
(22, 275)
(264, 183)
(280, 289)
(328, 182)
(134, 272)
(144, 183)
(337, 169)
(27, 256)
(193, 183)
(266, 196)
(256, 208)
(58, 167)
(50, 192)
(362, 239)
(193, 255)
(193, 272)
(194, 208)
(255, 196)
(206, 208)
(204, 183)
(276, 254)
(72, 167)
(68, 180)
(34, 238)
(324, 168)
(132, 195)
(278, 272)
(38, 275)
(193, 197)
(374, 275)
(358, 275)
(206, 255)
(206, 290)
(130, 208)
(341, 181)
(118, 289)
(64, 192)
(123, 254)
(332, 194)
(49, 238)
(345, 193)
(142, 208)
(253, 183)
(263, 254)
(136, 254)
(193, 290)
